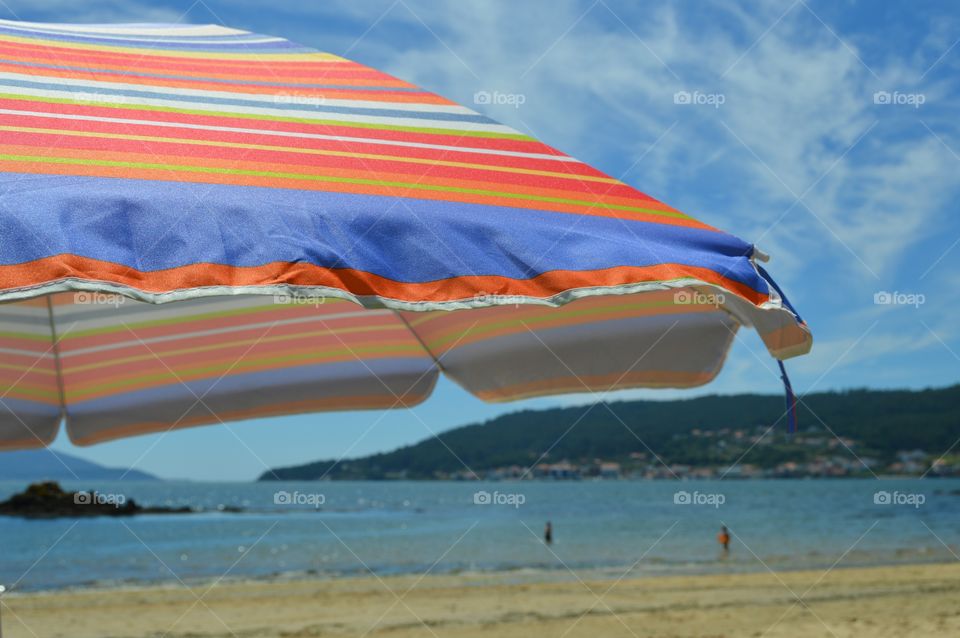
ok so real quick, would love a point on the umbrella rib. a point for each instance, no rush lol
(56, 360)
(436, 360)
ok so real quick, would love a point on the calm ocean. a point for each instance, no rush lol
(658, 527)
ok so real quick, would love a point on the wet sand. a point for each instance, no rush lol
(921, 600)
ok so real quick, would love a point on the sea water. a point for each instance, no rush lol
(604, 528)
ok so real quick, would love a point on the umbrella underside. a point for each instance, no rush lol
(331, 238)
(120, 367)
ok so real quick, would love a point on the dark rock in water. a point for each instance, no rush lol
(49, 500)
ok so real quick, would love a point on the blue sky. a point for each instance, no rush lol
(824, 132)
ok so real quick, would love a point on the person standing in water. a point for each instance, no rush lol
(724, 539)
(548, 533)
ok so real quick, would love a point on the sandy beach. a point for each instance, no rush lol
(884, 601)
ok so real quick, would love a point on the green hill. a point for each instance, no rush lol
(701, 432)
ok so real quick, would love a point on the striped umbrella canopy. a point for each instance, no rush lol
(200, 224)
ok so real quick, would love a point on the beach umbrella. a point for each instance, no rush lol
(200, 224)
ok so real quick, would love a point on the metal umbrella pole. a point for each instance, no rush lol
(2, 589)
